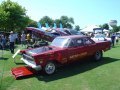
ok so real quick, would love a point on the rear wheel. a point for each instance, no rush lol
(98, 56)
(50, 68)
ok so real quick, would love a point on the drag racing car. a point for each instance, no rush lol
(62, 50)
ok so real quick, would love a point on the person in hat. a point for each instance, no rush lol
(12, 40)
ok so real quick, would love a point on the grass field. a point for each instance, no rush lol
(87, 75)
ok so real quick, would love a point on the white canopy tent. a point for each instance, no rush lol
(90, 28)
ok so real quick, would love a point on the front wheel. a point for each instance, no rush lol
(50, 68)
(98, 56)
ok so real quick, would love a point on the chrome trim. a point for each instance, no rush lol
(31, 64)
(25, 56)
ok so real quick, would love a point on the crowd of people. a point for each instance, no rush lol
(9, 41)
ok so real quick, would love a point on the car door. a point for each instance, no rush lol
(81, 49)
(76, 50)
(71, 50)
(89, 45)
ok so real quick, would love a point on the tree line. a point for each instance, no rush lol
(13, 18)
(114, 28)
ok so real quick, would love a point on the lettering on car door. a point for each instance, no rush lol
(76, 49)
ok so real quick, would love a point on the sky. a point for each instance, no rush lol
(84, 12)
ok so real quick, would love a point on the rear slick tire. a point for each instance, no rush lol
(98, 56)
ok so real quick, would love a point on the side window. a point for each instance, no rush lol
(87, 41)
(67, 44)
(76, 42)
(79, 42)
(71, 43)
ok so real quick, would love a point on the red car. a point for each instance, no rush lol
(46, 35)
(63, 49)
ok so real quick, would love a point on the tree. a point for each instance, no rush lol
(57, 21)
(66, 21)
(116, 29)
(15, 16)
(68, 25)
(119, 28)
(105, 26)
(32, 23)
(3, 18)
(46, 19)
(77, 27)
(71, 20)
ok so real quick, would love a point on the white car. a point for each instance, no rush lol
(101, 37)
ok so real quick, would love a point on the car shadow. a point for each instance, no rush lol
(3, 58)
(74, 69)
(19, 63)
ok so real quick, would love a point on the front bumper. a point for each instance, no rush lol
(32, 64)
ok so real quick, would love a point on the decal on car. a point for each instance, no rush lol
(78, 55)
(64, 60)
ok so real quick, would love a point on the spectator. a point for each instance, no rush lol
(117, 40)
(3, 41)
(28, 38)
(23, 39)
(16, 38)
(113, 39)
(12, 40)
(33, 38)
(0, 42)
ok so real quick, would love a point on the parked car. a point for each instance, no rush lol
(118, 35)
(101, 37)
(63, 50)
(72, 32)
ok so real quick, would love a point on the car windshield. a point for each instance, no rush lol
(60, 42)
(74, 32)
(100, 36)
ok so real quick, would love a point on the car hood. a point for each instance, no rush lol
(37, 50)
(41, 50)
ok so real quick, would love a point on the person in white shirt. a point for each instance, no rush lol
(12, 40)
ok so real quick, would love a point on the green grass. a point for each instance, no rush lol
(87, 75)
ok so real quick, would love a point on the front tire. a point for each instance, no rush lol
(50, 68)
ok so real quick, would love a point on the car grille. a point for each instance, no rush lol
(27, 57)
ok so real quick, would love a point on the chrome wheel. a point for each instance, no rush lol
(50, 68)
(98, 55)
